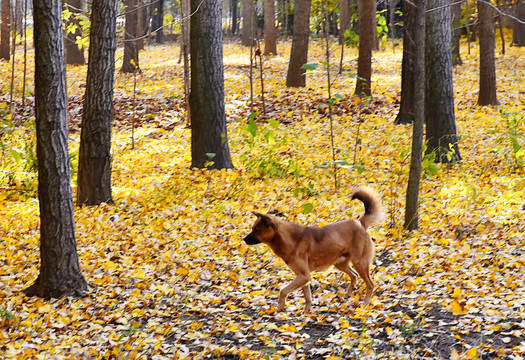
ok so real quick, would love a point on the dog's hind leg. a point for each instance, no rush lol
(344, 267)
(363, 268)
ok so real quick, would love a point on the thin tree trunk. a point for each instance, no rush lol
(94, 171)
(60, 273)
(411, 24)
(74, 54)
(5, 36)
(248, 22)
(131, 49)
(487, 60)
(208, 117)
(455, 10)
(157, 20)
(367, 22)
(344, 20)
(299, 55)
(270, 32)
(414, 177)
(518, 29)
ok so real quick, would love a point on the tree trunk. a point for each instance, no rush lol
(299, 55)
(518, 30)
(411, 25)
(74, 55)
(344, 20)
(439, 101)
(367, 20)
(131, 49)
(418, 46)
(235, 19)
(5, 29)
(60, 273)
(94, 165)
(208, 117)
(455, 10)
(270, 32)
(157, 20)
(248, 22)
(487, 60)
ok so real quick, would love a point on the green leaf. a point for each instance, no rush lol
(309, 67)
(307, 208)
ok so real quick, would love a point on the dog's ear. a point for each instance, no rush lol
(266, 220)
(259, 215)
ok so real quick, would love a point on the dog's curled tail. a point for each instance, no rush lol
(373, 208)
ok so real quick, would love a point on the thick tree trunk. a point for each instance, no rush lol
(411, 25)
(270, 32)
(439, 100)
(157, 20)
(518, 30)
(367, 21)
(74, 55)
(131, 45)
(5, 29)
(455, 11)
(94, 166)
(60, 273)
(208, 117)
(299, 55)
(418, 46)
(248, 22)
(487, 60)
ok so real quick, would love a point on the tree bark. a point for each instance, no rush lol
(94, 166)
(208, 117)
(235, 19)
(455, 10)
(74, 54)
(5, 29)
(411, 25)
(487, 60)
(344, 20)
(248, 22)
(60, 273)
(270, 32)
(131, 46)
(299, 55)
(518, 29)
(157, 20)
(439, 100)
(367, 20)
(418, 46)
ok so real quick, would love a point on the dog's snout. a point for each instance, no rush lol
(251, 240)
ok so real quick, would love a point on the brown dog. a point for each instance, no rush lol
(308, 248)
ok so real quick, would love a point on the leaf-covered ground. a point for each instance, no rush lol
(171, 277)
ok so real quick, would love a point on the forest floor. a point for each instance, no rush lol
(169, 274)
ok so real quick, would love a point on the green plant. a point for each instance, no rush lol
(7, 318)
(513, 135)
(382, 27)
(265, 162)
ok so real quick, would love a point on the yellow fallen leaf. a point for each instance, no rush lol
(472, 353)
(45, 308)
(457, 309)
(457, 293)
(182, 271)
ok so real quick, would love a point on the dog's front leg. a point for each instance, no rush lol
(300, 281)
(307, 297)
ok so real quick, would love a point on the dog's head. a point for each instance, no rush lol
(263, 231)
